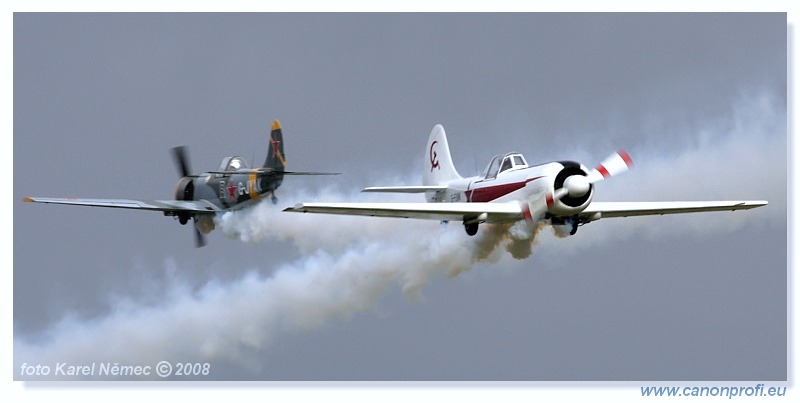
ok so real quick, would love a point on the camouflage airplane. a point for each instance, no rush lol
(201, 197)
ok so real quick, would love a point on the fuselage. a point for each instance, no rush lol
(235, 190)
(519, 183)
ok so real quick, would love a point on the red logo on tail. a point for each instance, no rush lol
(434, 161)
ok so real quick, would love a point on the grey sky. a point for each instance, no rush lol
(699, 101)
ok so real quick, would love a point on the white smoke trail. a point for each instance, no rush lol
(350, 262)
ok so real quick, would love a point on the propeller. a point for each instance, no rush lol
(199, 238)
(181, 158)
(613, 165)
(579, 185)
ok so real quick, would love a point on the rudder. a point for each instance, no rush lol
(276, 159)
(438, 164)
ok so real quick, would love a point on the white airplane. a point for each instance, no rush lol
(509, 190)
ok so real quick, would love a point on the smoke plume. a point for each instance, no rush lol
(349, 263)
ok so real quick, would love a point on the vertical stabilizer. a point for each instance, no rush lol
(275, 157)
(439, 167)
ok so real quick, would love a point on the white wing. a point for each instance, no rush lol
(431, 211)
(628, 209)
(201, 206)
(510, 211)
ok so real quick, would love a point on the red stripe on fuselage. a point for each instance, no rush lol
(489, 193)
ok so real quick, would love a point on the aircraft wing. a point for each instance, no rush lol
(201, 206)
(431, 211)
(510, 211)
(628, 209)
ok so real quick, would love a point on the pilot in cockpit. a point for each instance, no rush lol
(506, 164)
(236, 164)
(510, 161)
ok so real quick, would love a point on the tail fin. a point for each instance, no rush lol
(438, 164)
(275, 157)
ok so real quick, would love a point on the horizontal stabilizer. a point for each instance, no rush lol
(406, 189)
(269, 170)
(310, 173)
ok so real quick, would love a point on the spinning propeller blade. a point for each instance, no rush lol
(614, 165)
(179, 154)
(199, 238)
(181, 158)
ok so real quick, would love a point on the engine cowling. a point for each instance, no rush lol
(185, 189)
(579, 191)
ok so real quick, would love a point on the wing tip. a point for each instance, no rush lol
(28, 199)
(297, 208)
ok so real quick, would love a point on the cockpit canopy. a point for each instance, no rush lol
(503, 163)
(233, 164)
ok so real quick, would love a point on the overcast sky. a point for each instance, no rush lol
(698, 101)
